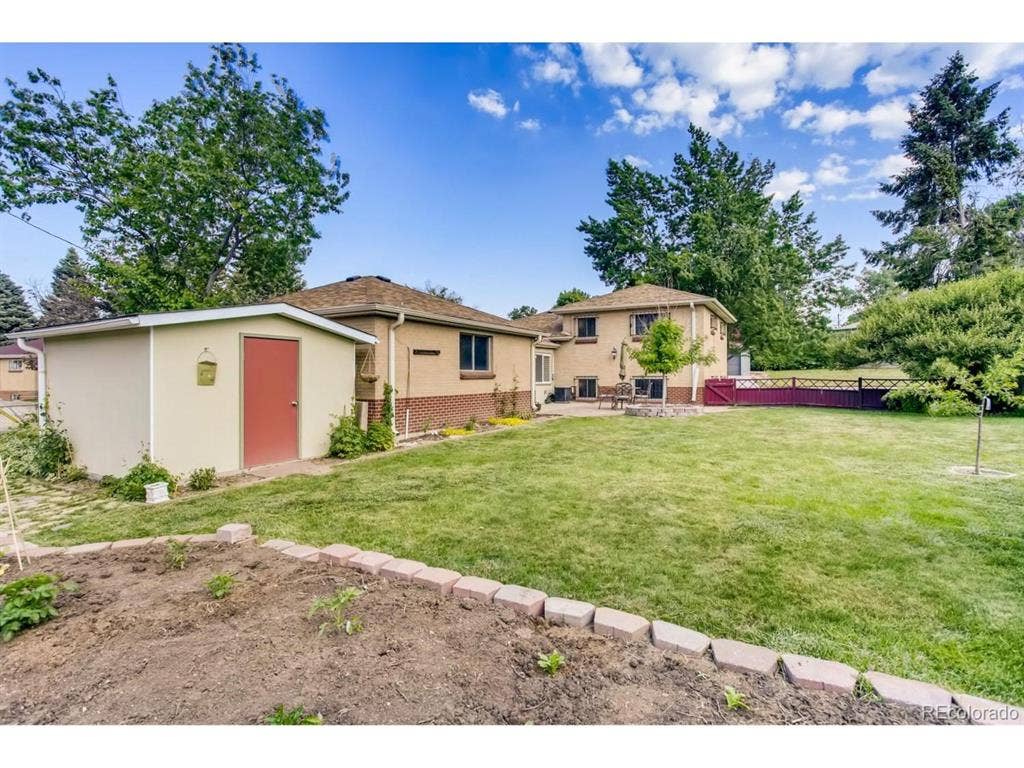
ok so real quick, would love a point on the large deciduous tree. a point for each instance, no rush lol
(571, 296)
(711, 227)
(942, 232)
(14, 310)
(666, 350)
(442, 292)
(206, 198)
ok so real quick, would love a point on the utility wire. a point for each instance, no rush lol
(51, 234)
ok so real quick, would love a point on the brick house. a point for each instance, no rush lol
(448, 362)
(587, 340)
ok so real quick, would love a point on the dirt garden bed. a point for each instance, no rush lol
(140, 643)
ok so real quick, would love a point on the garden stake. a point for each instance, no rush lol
(985, 403)
(10, 516)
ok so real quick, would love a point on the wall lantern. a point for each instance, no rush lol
(206, 368)
(615, 352)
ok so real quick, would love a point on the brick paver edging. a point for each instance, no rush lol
(800, 671)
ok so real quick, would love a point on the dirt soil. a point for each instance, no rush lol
(140, 643)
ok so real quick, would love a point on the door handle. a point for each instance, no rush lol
(295, 403)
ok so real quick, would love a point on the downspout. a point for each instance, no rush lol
(391, 367)
(694, 368)
(533, 370)
(40, 379)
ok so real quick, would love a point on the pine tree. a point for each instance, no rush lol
(951, 144)
(72, 297)
(14, 310)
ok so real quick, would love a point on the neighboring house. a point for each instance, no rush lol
(590, 337)
(448, 363)
(17, 374)
(227, 388)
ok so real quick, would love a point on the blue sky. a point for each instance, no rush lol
(472, 164)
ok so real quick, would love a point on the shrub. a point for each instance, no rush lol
(347, 439)
(132, 487)
(220, 585)
(968, 334)
(912, 396)
(379, 437)
(27, 602)
(452, 431)
(297, 716)
(35, 452)
(509, 421)
(202, 479)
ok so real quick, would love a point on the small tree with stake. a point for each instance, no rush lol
(665, 350)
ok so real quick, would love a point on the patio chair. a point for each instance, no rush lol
(622, 394)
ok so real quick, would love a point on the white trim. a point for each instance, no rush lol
(572, 309)
(202, 316)
(346, 310)
(152, 396)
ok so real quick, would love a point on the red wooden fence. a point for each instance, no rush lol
(828, 393)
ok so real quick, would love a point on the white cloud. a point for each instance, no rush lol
(620, 118)
(889, 166)
(490, 102)
(827, 65)
(751, 76)
(884, 120)
(1012, 83)
(529, 124)
(670, 103)
(905, 67)
(611, 64)
(636, 161)
(832, 171)
(787, 183)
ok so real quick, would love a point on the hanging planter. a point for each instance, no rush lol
(367, 370)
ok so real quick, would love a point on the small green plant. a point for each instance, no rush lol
(297, 716)
(202, 478)
(451, 431)
(471, 424)
(34, 452)
(863, 689)
(220, 585)
(177, 555)
(508, 421)
(132, 487)
(73, 474)
(551, 662)
(27, 602)
(379, 437)
(347, 439)
(335, 607)
(734, 699)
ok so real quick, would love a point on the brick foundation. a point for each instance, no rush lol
(676, 395)
(447, 410)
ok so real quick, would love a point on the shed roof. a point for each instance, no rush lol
(180, 317)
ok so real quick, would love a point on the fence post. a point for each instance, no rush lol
(860, 392)
(792, 392)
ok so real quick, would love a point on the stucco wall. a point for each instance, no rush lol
(99, 387)
(594, 359)
(200, 426)
(23, 381)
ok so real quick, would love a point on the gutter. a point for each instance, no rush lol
(694, 368)
(391, 367)
(40, 378)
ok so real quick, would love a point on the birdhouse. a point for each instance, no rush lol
(206, 369)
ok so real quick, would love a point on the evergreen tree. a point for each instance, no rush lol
(711, 227)
(951, 143)
(523, 311)
(14, 310)
(73, 295)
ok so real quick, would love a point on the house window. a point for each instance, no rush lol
(542, 368)
(474, 352)
(15, 365)
(586, 388)
(586, 327)
(640, 322)
(652, 388)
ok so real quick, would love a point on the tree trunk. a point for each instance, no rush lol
(664, 391)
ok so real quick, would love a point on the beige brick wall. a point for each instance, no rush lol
(575, 360)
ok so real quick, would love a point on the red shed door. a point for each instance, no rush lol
(270, 400)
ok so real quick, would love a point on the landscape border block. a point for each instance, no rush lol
(204, 538)
(84, 549)
(912, 693)
(570, 613)
(232, 533)
(819, 674)
(987, 712)
(279, 545)
(127, 543)
(611, 622)
(439, 579)
(336, 554)
(672, 637)
(744, 657)
(521, 599)
(369, 561)
(302, 552)
(401, 569)
(476, 588)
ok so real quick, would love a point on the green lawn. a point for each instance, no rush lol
(838, 534)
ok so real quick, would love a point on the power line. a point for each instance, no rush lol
(48, 232)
